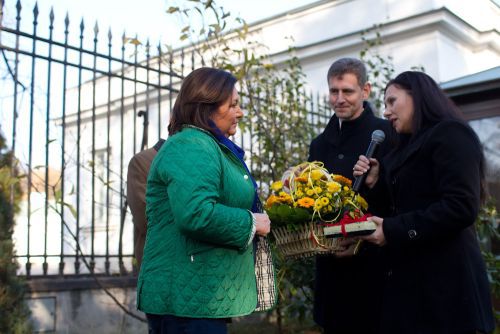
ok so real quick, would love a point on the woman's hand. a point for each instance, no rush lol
(262, 224)
(370, 166)
(377, 237)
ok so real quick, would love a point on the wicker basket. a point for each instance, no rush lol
(307, 240)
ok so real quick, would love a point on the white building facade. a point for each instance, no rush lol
(448, 38)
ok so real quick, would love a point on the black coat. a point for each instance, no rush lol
(346, 296)
(435, 277)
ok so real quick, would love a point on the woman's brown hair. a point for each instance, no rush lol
(202, 92)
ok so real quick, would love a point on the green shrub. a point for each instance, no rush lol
(13, 311)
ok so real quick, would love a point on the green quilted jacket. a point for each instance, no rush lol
(197, 258)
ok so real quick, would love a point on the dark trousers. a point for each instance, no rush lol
(169, 324)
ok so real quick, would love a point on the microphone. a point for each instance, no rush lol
(378, 137)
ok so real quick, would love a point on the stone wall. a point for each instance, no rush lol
(79, 306)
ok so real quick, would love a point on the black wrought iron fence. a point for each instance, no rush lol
(71, 101)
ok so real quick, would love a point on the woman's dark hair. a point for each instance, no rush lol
(430, 106)
(430, 103)
(202, 92)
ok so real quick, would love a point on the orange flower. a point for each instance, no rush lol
(342, 180)
(305, 202)
(271, 200)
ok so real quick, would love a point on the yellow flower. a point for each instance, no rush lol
(309, 186)
(277, 185)
(362, 202)
(305, 202)
(333, 186)
(316, 174)
(284, 197)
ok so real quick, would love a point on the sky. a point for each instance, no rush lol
(147, 18)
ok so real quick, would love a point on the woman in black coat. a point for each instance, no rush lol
(433, 181)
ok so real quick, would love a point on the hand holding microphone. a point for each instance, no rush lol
(367, 166)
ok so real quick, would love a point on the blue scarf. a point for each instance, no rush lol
(240, 154)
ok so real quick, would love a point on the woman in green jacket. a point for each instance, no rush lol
(205, 241)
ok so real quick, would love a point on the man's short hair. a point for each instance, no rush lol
(348, 65)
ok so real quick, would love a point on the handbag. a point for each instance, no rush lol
(265, 276)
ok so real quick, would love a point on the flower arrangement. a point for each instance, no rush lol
(306, 201)
(308, 193)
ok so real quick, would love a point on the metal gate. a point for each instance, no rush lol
(76, 104)
(71, 96)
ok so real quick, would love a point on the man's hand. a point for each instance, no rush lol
(351, 246)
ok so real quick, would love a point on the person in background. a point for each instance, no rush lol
(433, 184)
(346, 299)
(137, 174)
(203, 212)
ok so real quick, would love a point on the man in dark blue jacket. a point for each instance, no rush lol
(346, 295)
